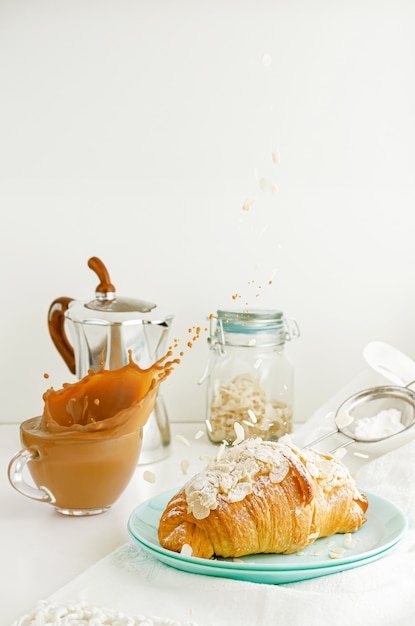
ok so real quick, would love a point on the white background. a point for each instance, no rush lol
(136, 131)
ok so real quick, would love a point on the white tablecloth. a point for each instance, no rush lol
(381, 593)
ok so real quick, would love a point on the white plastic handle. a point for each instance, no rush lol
(390, 362)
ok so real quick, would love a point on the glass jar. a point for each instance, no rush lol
(249, 377)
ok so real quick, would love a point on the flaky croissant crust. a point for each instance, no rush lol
(274, 517)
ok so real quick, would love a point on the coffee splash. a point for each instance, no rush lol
(106, 402)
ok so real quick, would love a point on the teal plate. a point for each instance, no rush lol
(385, 526)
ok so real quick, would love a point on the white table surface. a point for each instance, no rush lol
(42, 550)
(45, 554)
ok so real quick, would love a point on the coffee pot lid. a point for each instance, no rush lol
(109, 308)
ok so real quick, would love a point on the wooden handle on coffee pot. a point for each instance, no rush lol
(105, 285)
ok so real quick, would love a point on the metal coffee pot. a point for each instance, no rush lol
(105, 329)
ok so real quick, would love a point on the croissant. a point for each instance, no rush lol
(262, 497)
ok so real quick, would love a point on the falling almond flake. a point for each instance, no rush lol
(275, 157)
(252, 416)
(267, 185)
(247, 205)
(199, 434)
(150, 477)
(183, 440)
(264, 230)
(184, 466)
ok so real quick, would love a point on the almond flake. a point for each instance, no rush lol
(340, 452)
(275, 157)
(267, 185)
(343, 419)
(183, 440)
(149, 476)
(334, 555)
(221, 450)
(240, 433)
(184, 466)
(207, 459)
(247, 205)
(199, 434)
(186, 550)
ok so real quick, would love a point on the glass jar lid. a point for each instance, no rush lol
(253, 321)
(267, 326)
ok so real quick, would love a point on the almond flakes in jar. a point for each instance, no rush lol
(249, 376)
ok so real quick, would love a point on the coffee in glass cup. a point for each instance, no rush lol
(83, 451)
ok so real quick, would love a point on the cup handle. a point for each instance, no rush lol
(15, 473)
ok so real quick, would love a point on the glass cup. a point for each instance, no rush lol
(79, 473)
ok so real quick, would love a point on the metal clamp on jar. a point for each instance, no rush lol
(249, 376)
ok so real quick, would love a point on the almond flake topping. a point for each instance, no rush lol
(232, 475)
(186, 550)
(240, 433)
